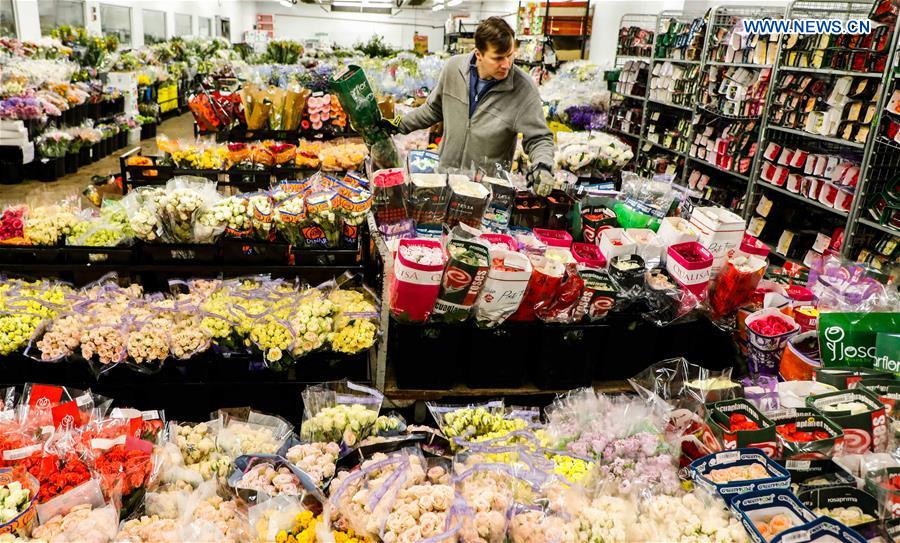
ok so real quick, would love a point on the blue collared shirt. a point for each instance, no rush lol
(477, 87)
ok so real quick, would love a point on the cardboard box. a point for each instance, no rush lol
(718, 415)
(613, 242)
(751, 507)
(865, 431)
(847, 377)
(778, 477)
(674, 230)
(693, 276)
(807, 419)
(568, 54)
(834, 497)
(721, 231)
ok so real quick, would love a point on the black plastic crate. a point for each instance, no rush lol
(566, 356)
(98, 255)
(148, 131)
(71, 162)
(244, 251)
(152, 253)
(13, 172)
(632, 348)
(497, 357)
(13, 254)
(332, 366)
(325, 257)
(250, 178)
(426, 356)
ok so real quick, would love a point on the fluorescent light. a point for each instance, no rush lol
(452, 3)
(382, 2)
(347, 4)
(286, 3)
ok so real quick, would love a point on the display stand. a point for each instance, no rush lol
(872, 226)
(714, 70)
(793, 138)
(624, 101)
(673, 118)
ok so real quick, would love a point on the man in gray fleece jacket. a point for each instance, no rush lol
(485, 102)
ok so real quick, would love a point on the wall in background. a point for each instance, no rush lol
(236, 11)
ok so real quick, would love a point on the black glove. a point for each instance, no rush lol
(540, 179)
(391, 126)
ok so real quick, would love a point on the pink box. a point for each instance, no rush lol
(692, 275)
(554, 238)
(588, 254)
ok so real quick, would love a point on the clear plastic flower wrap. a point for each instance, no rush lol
(339, 411)
(260, 208)
(290, 215)
(196, 444)
(625, 435)
(49, 220)
(147, 344)
(364, 498)
(321, 229)
(79, 514)
(184, 202)
(312, 320)
(209, 517)
(142, 206)
(487, 491)
(356, 321)
(246, 431)
(232, 213)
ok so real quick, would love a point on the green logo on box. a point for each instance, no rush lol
(887, 352)
(848, 339)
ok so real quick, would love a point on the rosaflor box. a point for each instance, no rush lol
(861, 416)
(887, 352)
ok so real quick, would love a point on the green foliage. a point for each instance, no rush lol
(376, 47)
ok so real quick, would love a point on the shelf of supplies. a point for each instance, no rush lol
(677, 60)
(705, 109)
(829, 139)
(664, 148)
(737, 64)
(776, 254)
(828, 71)
(622, 132)
(800, 197)
(529, 62)
(632, 96)
(882, 227)
(717, 167)
(669, 104)
(633, 57)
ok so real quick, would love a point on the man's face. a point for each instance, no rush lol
(494, 64)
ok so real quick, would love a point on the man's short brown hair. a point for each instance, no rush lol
(494, 32)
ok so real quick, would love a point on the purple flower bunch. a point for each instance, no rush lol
(21, 108)
(585, 117)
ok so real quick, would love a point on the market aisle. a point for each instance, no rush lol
(176, 127)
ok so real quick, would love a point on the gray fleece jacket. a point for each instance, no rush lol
(488, 138)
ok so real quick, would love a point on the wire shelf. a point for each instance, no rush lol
(882, 227)
(731, 173)
(827, 71)
(801, 198)
(642, 21)
(829, 139)
(664, 148)
(668, 104)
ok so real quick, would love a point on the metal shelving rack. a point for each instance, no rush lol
(882, 164)
(725, 17)
(650, 23)
(834, 9)
(662, 22)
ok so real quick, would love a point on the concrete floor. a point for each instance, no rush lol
(181, 126)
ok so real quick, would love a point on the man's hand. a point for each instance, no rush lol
(541, 179)
(391, 126)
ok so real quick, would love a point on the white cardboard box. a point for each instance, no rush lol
(605, 241)
(669, 234)
(721, 231)
(651, 251)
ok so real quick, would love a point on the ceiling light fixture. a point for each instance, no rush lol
(347, 4)
(452, 3)
(288, 3)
